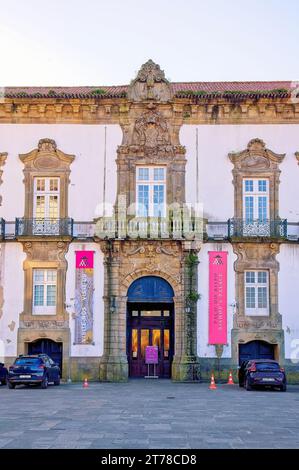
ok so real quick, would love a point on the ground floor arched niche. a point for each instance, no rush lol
(54, 343)
(126, 261)
(265, 344)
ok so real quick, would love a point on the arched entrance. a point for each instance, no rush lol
(49, 347)
(256, 350)
(150, 322)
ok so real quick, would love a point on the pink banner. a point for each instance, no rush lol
(217, 297)
(84, 259)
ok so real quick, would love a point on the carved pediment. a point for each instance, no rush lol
(46, 157)
(150, 84)
(256, 157)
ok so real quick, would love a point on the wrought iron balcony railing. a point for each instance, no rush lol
(258, 228)
(44, 227)
(2, 228)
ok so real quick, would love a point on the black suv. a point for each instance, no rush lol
(30, 370)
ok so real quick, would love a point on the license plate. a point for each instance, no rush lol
(25, 376)
(268, 379)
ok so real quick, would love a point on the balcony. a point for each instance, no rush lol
(43, 227)
(242, 228)
(179, 228)
(2, 229)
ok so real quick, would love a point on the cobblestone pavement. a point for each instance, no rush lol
(148, 414)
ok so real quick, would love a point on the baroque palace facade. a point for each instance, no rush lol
(157, 213)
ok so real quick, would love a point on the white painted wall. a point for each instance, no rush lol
(13, 286)
(86, 142)
(98, 330)
(203, 349)
(215, 177)
(288, 304)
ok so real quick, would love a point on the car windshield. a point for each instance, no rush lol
(28, 361)
(267, 366)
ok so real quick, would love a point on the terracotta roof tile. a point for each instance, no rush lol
(120, 91)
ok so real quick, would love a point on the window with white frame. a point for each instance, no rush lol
(256, 293)
(44, 291)
(46, 198)
(255, 199)
(151, 191)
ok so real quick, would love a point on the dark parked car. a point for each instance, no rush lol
(262, 372)
(3, 374)
(30, 370)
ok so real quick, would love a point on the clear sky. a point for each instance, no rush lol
(104, 42)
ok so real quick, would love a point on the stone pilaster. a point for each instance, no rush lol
(186, 367)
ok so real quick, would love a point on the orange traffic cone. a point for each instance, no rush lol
(212, 384)
(85, 383)
(230, 379)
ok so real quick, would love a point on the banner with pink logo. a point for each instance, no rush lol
(217, 297)
(84, 297)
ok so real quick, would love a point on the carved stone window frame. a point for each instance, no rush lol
(256, 161)
(46, 161)
(44, 255)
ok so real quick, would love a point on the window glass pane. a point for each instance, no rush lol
(250, 277)
(250, 297)
(262, 208)
(158, 200)
(262, 277)
(249, 186)
(53, 207)
(262, 297)
(158, 174)
(40, 184)
(143, 174)
(262, 185)
(53, 184)
(38, 276)
(166, 313)
(51, 275)
(143, 200)
(51, 295)
(151, 313)
(134, 313)
(40, 207)
(38, 297)
(249, 208)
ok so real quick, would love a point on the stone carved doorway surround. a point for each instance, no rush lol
(126, 261)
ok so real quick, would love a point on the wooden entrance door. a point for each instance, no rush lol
(255, 350)
(49, 347)
(150, 325)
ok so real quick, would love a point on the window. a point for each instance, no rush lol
(46, 198)
(44, 291)
(151, 191)
(255, 200)
(256, 293)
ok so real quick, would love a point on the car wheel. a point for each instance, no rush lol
(283, 388)
(57, 382)
(3, 382)
(45, 382)
(247, 385)
(10, 385)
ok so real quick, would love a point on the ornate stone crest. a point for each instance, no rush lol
(150, 84)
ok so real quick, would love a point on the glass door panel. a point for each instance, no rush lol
(144, 341)
(166, 343)
(134, 348)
